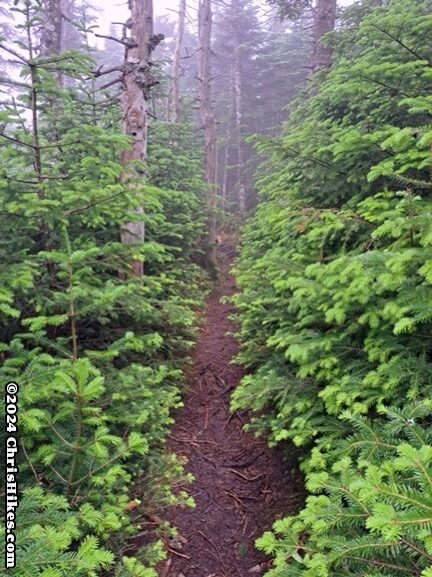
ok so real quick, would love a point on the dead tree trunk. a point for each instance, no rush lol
(324, 22)
(137, 81)
(207, 113)
(175, 71)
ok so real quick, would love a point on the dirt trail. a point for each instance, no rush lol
(240, 485)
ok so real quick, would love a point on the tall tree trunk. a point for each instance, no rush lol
(52, 29)
(224, 175)
(227, 144)
(238, 100)
(175, 72)
(324, 22)
(207, 112)
(137, 82)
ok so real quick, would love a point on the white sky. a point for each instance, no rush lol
(117, 10)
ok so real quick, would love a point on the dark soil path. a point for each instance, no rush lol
(240, 484)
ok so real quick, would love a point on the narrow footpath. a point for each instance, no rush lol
(240, 484)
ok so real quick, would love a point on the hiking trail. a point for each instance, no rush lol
(241, 486)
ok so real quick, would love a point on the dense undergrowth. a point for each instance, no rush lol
(97, 352)
(335, 278)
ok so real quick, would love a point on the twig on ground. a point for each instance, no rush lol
(249, 479)
(174, 552)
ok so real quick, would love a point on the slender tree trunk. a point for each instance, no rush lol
(36, 146)
(224, 178)
(231, 157)
(67, 8)
(175, 72)
(238, 100)
(137, 82)
(207, 112)
(324, 22)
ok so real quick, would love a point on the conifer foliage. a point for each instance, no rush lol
(97, 353)
(334, 303)
(334, 271)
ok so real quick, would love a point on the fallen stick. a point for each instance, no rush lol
(244, 476)
(174, 552)
(234, 496)
(192, 442)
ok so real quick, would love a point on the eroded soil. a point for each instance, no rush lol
(240, 484)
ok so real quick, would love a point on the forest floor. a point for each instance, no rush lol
(241, 486)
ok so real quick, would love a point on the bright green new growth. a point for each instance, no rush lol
(334, 305)
(97, 353)
(335, 279)
(370, 511)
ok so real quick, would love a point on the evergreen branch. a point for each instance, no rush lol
(91, 205)
(51, 60)
(405, 498)
(16, 141)
(30, 464)
(18, 113)
(42, 177)
(60, 436)
(345, 491)
(373, 442)
(11, 103)
(100, 468)
(384, 564)
(13, 52)
(40, 146)
(313, 159)
(58, 475)
(425, 472)
(409, 182)
(380, 83)
(4, 80)
(416, 549)
(405, 46)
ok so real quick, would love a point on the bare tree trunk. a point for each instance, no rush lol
(324, 22)
(224, 178)
(207, 112)
(137, 82)
(52, 29)
(225, 145)
(238, 99)
(175, 72)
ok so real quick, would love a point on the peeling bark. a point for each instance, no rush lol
(138, 81)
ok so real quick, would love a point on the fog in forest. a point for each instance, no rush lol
(216, 288)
